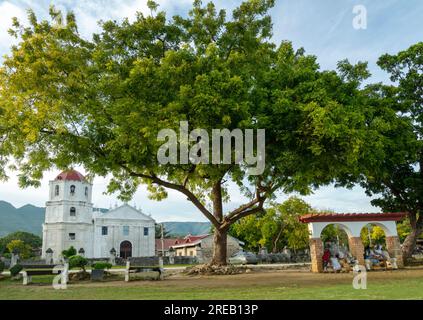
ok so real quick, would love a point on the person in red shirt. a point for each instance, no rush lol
(326, 258)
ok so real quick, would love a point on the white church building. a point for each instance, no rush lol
(71, 221)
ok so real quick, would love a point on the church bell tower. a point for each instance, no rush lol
(69, 215)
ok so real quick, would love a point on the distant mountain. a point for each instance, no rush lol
(30, 218)
(184, 228)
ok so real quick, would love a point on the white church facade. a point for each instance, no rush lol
(71, 221)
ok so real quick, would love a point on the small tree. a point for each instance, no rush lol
(69, 252)
(377, 235)
(335, 233)
(18, 245)
(278, 226)
(78, 262)
(28, 238)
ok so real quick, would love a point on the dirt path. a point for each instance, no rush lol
(285, 278)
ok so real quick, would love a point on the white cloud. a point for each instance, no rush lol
(7, 12)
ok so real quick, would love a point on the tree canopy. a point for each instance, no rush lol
(100, 103)
(392, 156)
(32, 240)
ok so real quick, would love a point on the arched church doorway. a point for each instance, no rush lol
(125, 249)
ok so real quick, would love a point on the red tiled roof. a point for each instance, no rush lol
(335, 217)
(189, 240)
(71, 175)
(166, 242)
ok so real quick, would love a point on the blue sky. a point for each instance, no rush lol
(323, 27)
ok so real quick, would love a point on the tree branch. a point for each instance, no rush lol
(179, 188)
(243, 214)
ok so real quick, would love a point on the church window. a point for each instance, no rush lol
(72, 236)
(86, 191)
(72, 189)
(146, 231)
(104, 231)
(56, 191)
(126, 230)
(72, 212)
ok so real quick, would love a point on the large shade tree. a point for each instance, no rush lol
(100, 103)
(393, 160)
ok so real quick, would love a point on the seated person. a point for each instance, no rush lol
(334, 249)
(326, 258)
(378, 251)
(369, 254)
(335, 263)
(345, 263)
(351, 259)
(379, 254)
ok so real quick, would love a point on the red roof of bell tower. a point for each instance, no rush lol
(71, 175)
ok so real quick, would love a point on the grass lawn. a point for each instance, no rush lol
(404, 284)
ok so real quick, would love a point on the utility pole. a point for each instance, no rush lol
(163, 254)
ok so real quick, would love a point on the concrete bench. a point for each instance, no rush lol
(390, 264)
(138, 269)
(43, 269)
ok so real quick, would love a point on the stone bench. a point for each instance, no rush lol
(138, 269)
(41, 270)
(390, 263)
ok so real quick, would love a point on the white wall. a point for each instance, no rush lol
(142, 246)
(353, 228)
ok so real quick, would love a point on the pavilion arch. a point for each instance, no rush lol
(389, 227)
(343, 233)
(317, 228)
(352, 224)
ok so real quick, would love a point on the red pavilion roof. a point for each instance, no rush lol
(336, 217)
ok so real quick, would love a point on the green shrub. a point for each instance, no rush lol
(77, 262)
(14, 271)
(69, 253)
(102, 265)
(1, 266)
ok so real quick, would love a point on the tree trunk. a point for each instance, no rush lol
(220, 247)
(275, 241)
(220, 238)
(410, 243)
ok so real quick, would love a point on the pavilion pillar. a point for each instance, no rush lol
(357, 249)
(316, 254)
(394, 249)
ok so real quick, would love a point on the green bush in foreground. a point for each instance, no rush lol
(78, 262)
(1, 266)
(101, 265)
(69, 252)
(14, 271)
